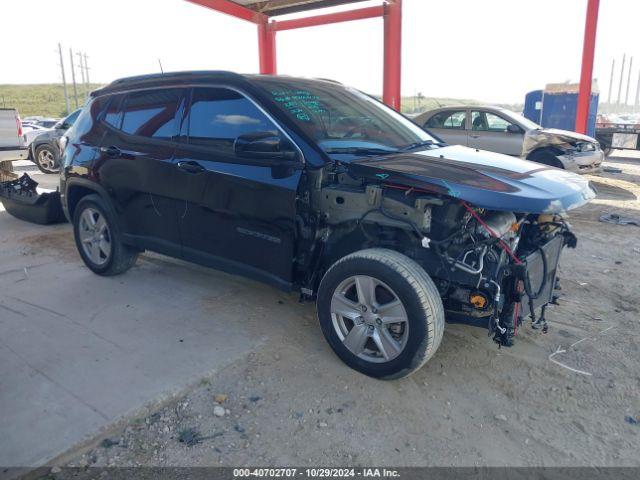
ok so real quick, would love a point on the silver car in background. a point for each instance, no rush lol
(500, 130)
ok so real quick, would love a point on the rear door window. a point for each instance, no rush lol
(217, 116)
(152, 113)
(449, 120)
(489, 122)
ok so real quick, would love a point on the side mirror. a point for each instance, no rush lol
(512, 128)
(61, 126)
(265, 146)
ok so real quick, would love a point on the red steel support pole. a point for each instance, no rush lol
(588, 53)
(267, 49)
(392, 54)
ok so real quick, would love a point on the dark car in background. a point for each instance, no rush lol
(314, 187)
(44, 150)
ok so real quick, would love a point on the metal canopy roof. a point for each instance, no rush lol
(273, 8)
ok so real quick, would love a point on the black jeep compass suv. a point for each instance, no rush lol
(316, 187)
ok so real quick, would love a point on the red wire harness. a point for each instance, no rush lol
(502, 243)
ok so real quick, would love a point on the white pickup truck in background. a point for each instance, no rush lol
(12, 142)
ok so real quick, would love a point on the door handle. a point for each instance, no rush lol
(474, 136)
(111, 151)
(190, 166)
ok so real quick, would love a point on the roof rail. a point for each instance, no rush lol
(167, 76)
(330, 80)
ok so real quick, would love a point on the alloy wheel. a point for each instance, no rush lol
(95, 236)
(47, 160)
(369, 318)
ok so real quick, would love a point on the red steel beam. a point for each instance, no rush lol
(267, 49)
(391, 94)
(586, 77)
(233, 9)
(314, 21)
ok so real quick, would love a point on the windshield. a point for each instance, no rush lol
(342, 119)
(524, 121)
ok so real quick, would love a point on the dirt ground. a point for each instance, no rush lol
(292, 402)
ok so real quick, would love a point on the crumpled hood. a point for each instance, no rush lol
(484, 179)
(551, 137)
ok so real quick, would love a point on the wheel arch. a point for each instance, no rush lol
(77, 188)
(549, 153)
(347, 239)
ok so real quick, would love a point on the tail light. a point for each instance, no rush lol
(19, 125)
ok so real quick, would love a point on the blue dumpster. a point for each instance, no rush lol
(556, 106)
(533, 106)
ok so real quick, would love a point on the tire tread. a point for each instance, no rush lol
(427, 293)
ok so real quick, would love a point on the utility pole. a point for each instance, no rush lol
(613, 66)
(624, 60)
(626, 97)
(84, 84)
(637, 102)
(86, 72)
(64, 81)
(73, 78)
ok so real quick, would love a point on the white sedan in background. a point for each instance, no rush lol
(502, 131)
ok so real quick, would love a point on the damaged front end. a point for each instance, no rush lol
(465, 223)
(575, 152)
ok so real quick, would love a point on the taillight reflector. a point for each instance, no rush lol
(19, 125)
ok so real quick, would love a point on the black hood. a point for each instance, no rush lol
(484, 179)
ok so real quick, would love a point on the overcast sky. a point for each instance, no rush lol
(491, 50)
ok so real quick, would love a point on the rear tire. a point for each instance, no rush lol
(402, 320)
(98, 238)
(46, 159)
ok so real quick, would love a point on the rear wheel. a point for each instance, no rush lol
(381, 313)
(98, 238)
(46, 159)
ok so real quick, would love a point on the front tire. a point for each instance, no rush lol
(381, 313)
(99, 240)
(46, 159)
(545, 158)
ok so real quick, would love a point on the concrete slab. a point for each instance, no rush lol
(78, 351)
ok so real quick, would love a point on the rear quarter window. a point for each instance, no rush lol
(83, 121)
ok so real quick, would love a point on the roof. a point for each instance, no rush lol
(187, 77)
(273, 8)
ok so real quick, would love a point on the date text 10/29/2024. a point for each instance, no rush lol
(315, 473)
